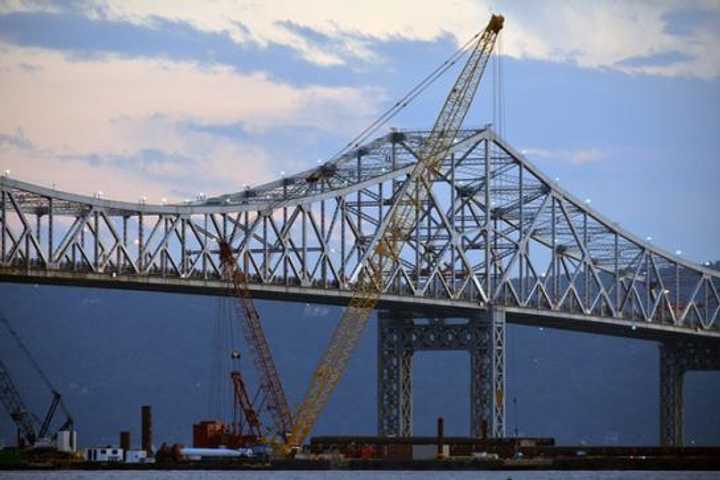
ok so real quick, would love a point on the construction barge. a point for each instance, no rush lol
(413, 453)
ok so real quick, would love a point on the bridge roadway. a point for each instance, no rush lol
(417, 306)
(495, 241)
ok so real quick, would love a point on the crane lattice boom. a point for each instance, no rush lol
(270, 384)
(27, 423)
(251, 424)
(396, 229)
(13, 402)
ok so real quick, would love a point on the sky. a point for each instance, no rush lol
(168, 99)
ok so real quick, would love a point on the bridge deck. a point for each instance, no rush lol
(422, 307)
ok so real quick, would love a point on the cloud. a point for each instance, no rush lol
(583, 157)
(14, 140)
(655, 60)
(575, 157)
(125, 126)
(329, 33)
(688, 21)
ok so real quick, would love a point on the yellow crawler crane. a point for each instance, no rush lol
(396, 229)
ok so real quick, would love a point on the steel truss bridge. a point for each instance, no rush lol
(494, 241)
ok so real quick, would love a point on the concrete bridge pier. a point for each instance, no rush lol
(677, 358)
(401, 334)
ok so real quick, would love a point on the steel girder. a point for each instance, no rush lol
(493, 230)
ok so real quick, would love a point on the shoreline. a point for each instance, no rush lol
(537, 464)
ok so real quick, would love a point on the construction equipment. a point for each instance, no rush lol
(247, 424)
(26, 423)
(245, 429)
(30, 430)
(395, 230)
(270, 385)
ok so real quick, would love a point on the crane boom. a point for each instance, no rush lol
(13, 402)
(395, 230)
(242, 401)
(57, 400)
(27, 353)
(270, 383)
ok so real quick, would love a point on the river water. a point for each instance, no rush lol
(349, 475)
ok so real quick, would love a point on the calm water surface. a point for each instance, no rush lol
(340, 475)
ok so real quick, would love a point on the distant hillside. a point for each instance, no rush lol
(112, 351)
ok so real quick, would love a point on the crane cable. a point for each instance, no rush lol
(498, 96)
(36, 365)
(27, 353)
(502, 121)
(407, 99)
(391, 112)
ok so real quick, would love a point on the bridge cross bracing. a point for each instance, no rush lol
(493, 232)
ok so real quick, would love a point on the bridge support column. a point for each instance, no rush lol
(497, 324)
(677, 358)
(487, 383)
(394, 376)
(671, 390)
(400, 336)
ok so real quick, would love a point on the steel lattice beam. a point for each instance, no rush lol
(492, 230)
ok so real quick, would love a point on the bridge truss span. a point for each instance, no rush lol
(492, 230)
